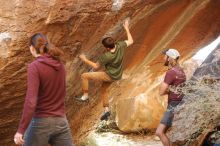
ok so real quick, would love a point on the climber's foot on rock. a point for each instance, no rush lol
(82, 98)
(105, 116)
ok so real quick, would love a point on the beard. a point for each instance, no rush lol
(166, 63)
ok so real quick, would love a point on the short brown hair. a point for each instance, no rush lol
(108, 42)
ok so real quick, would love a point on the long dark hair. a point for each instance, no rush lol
(42, 46)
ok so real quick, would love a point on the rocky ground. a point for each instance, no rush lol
(112, 139)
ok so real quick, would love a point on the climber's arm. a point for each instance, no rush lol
(88, 62)
(168, 80)
(130, 40)
(164, 89)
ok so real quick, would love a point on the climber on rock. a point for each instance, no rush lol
(171, 86)
(112, 62)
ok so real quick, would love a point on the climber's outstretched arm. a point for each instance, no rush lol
(130, 40)
(88, 62)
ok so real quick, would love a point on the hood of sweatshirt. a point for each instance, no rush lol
(48, 60)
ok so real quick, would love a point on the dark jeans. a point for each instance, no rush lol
(53, 130)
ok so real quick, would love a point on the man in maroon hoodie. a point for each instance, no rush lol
(44, 120)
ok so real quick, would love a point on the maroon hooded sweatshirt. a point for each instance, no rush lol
(46, 89)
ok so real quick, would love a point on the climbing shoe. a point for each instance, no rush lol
(105, 116)
(82, 98)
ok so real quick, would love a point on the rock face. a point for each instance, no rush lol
(78, 26)
(136, 98)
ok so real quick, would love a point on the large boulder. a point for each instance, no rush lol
(140, 112)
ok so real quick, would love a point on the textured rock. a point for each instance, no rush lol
(78, 26)
(190, 66)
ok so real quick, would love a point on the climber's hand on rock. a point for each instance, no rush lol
(18, 139)
(126, 23)
(82, 57)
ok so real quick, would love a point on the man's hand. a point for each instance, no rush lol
(18, 139)
(126, 24)
(88, 62)
(82, 57)
(129, 41)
